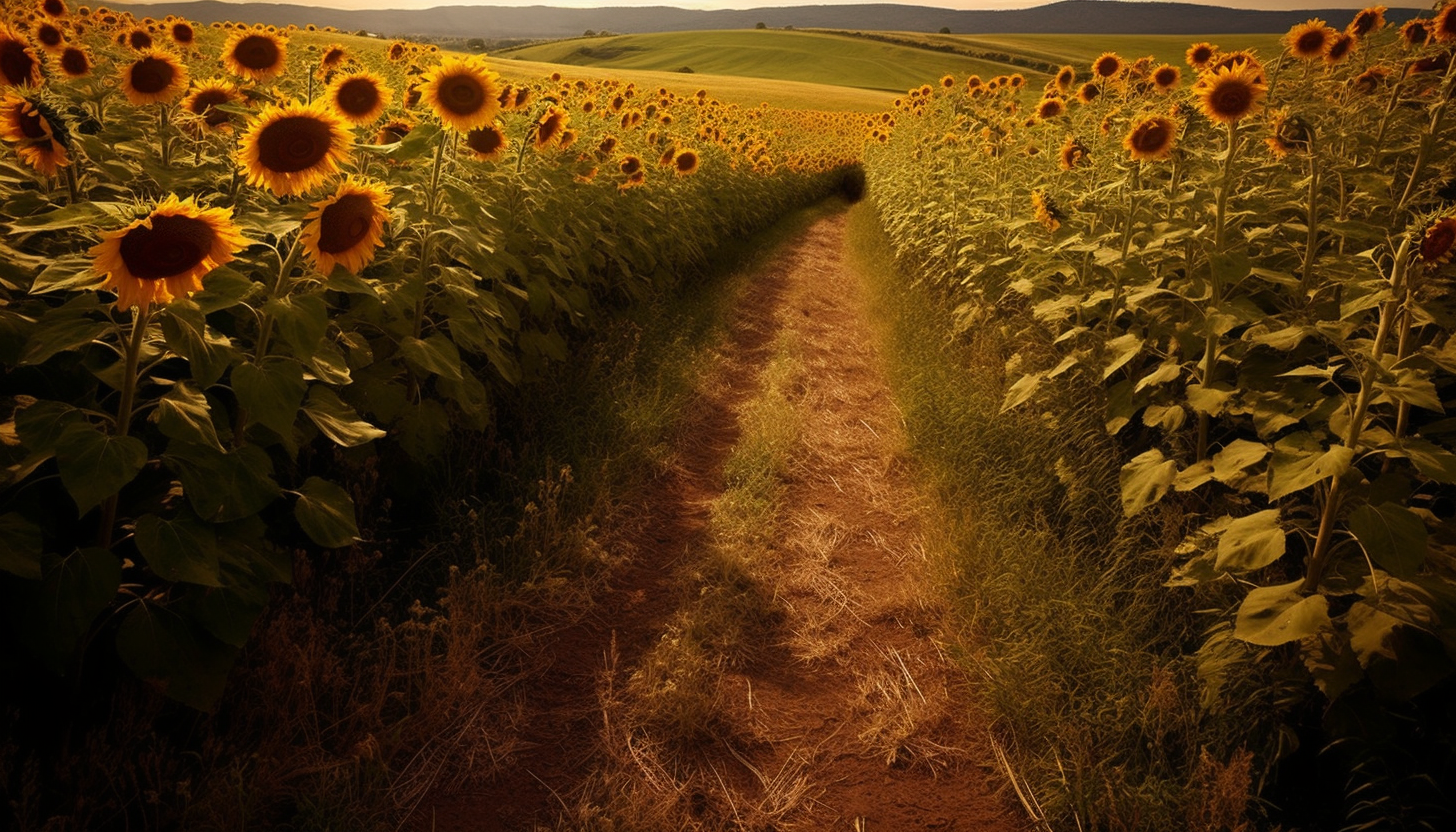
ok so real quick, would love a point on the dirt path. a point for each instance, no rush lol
(848, 716)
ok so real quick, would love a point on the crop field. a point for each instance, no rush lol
(840, 435)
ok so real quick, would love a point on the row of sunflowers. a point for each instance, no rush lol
(238, 260)
(1254, 267)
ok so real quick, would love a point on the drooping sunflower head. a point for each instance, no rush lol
(332, 57)
(1371, 80)
(1415, 33)
(75, 62)
(1437, 242)
(38, 131)
(154, 78)
(1340, 47)
(1046, 211)
(1289, 134)
(293, 148)
(488, 143)
(1443, 28)
(1200, 55)
(1151, 138)
(1367, 20)
(1066, 77)
(1072, 154)
(347, 227)
(204, 99)
(1107, 65)
(393, 131)
(360, 98)
(19, 65)
(166, 254)
(1230, 94)
(550, 126)
(1050, 108)
(256, 55)
(462, 93)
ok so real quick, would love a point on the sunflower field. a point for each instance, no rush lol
(238, 261)
(1249, 255)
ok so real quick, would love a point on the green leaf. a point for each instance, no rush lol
(434, 355)
(270, 392)
(1145, 480)
(226, 614)
(1392, 535)
(224, 288)
(223, 487)
(95, 465)
(1121, 350)
(1165, 372)
(302, 321)
(1370, 632)
(1429, 458)
(76, 215)
(40, 425)
(1022, 390)
(183, 413)
(326, 513)
(61, 330)
(73, 591)
(423, 429)
(1330, 660)
(1300, 461)
(180, 550)
(1413, 388)
(20, 546)
(1210, 400)
(1275, 615)
(1237, 455)
(66, 274)
(1251, 542)
(337, 420)
(163, 648)
(185, 328)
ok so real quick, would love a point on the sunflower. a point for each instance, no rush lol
(333, 56)
(1416, 33)
(1437, 242)
(75, 62)
(139, 39)
(255, 55)
(1443, 28)
(165, 254)
(606, 147)
(1371, 80)
(19, 66)
(393, 131)
(204, 99)
(1229, 60)
(1230, 94)
(1050, 107)
(462, 93)
(183, 34)
(292, 148)
(1309, 40)
(631, 165)
(1072, 154)
(488, 143)
(346, 228)
(53, 8)
(154, 78)
(1341, 45)
(360, 98)
(549, 127)
(1291, 134)
(1151, 138)
(49, 36)
(1088, 92)
(1066, 77)
(21, 120)
(1107, 65)
(1046, 211)
(633, 180)
(1166, 77)
(1200, 55)
(397, 51)
(974, 84)
(1367, 20)
(685, 163)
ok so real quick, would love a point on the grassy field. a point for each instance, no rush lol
(1081, 50)
(812, 57)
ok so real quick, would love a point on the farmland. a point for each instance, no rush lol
(842, 434)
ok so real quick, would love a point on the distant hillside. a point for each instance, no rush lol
(1085, 17)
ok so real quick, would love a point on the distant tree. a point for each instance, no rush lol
(588, 34)
(475, 44)
(789, 28)
(760, 25)
(945, 30)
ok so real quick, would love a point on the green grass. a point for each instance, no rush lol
(809, 57)
(1080, 50)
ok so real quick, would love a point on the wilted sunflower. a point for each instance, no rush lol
(1151, 138)
(1370, 80)
(1046, 211)
(488, 143)
(1088, 92)
(204, 99)
(255, 55)
(19, 66)
(1437, 242)
(1416, 33)
(154, 78)
(347, 227)
(1340, 47)
(1072, 154)
(393, 131)
(1066, 77)
(1200, 55)
(292, 148)
(462, 93)
(165, 254)
(1443, 28)
(1107, 65)
(549, 127)
(1367, 20)
(1309, 40)
(1230, 94)
(75, 62)
(360, 98)
(1291, 134)
(685, 163)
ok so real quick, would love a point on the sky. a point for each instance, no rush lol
(750, 4)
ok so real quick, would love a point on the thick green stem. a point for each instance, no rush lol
(131, 357)
(1428, 138)
(427, 241)
(280, 289)
(1385, 121)
(1219, 228)
(163, 135)
(1311, 220)
(1404, 341)
(1132, 207)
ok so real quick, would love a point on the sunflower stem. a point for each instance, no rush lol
(1428, 138)
(427, 241)
(1219, 227)
(68, 173)
(1311, 220)
(280, 289)
(1385, 120)
(131, 357)
(165, 139)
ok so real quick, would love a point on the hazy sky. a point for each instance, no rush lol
(748, 4)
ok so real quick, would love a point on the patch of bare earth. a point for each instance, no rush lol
(850, 716)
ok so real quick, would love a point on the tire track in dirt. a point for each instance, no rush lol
(854, 714)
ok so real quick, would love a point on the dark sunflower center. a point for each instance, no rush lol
(256, 52)
(1231, 98)
(140, 39)
(16, 63)
(1202, 55)
(1107, 67)
(1438, 241)
(1165, 77)
(205, 104)
(393, 132)
(31, 124)
(549, 128)
(462, 95)
(182, 33)
(172, 246)
(485, 141)
(54, 8)
(345, 223)
(1310, 43)
(152, 75)
(294, 143)
(686, 161)
(48, 35)
(73, 62)
(358, 97)
(631, 165)
(1151, 136)
(1364, 22)
(1065, 78)
(1339, 48)
(333, 56)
